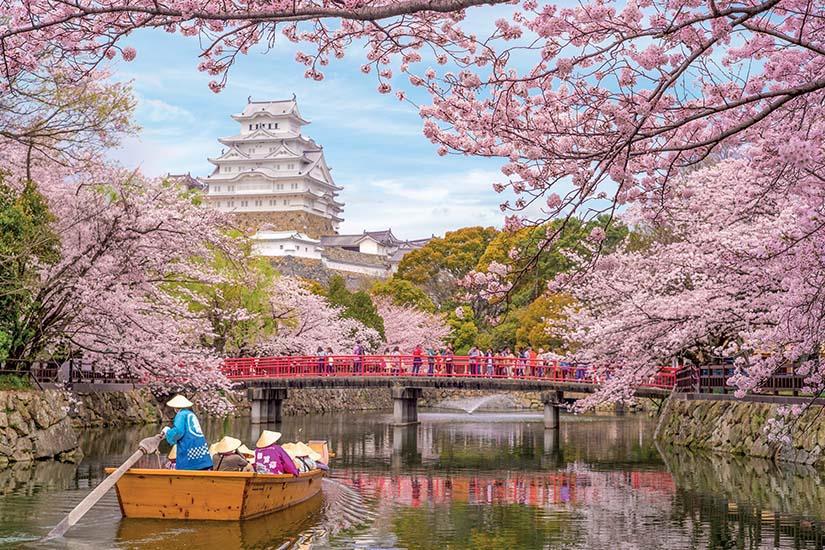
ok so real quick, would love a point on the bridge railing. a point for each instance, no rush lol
(716, 378)
(424, 366)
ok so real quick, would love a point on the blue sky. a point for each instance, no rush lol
(391, 174)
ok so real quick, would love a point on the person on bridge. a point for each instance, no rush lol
(474, 354)
(488, 359)
(192, 450)
(320, 354)
(417, 353)
(532, 358)
(358, 363)
(431, 353)
(448, 359)
(270, 458)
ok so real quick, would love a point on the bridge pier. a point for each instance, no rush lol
(552, 406)
(405, 405)
(266, 404)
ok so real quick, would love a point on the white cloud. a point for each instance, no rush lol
(157, 110)
(421, 205)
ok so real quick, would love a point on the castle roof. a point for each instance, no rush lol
(276, 108)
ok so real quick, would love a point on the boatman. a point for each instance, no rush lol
(186, 433)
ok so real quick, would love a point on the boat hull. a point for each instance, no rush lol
(184, 494)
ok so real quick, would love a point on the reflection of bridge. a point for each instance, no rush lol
(268, 379)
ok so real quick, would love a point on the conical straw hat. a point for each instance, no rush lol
(179, 402)
(227, 445)
(267, 438)
(290, 449)
(246, 451)
(173, 453)
(212, 449)
(306, 450)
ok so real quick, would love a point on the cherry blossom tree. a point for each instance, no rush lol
(120, 240)
(307, 321)
(407, 326)
(733, 270)
(590, 108)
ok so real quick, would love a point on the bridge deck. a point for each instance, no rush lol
(446, 382)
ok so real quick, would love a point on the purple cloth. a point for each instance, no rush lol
(274, 460)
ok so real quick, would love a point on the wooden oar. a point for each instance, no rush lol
(146, 446)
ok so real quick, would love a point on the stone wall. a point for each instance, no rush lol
(314, 270)
(735, 426)
(115, 409)
(35, 425)
(314, 400)
(310, 225)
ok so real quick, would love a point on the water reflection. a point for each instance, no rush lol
(490, 480)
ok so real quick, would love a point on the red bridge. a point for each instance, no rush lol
(268, 379)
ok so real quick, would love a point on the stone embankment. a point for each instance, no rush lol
(115, 409)
(36, 425)
(738, 427)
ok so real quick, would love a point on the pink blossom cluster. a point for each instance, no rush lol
(307, 321)
(735, 271)
(408, 326)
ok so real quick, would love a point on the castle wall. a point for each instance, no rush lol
(303, 222)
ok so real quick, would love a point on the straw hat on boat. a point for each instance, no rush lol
(306, 450)
(267, 438)
(173, 453)
(290, 449)
(246, 451)
(227, 445)
(179, 402)
(212, 449)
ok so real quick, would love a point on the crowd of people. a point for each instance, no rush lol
(432, 360)
(190, 450)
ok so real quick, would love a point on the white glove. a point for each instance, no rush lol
(164, 430)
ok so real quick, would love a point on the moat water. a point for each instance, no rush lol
(486, 480)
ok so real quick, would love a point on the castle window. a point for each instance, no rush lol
(290, 167)
(250, 126)
(276, 125)
(282, 247)
(270, 127)
(284, 202)
(217, 188)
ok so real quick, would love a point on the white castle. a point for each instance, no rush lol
(275, 180)
(269, 168)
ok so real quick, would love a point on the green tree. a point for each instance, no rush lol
(437, 267)
(239, 306)
(356, 305)
(533, 322)
(403, 293)
(540, 266)
(26, 242)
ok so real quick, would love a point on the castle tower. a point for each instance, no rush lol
(270, 174)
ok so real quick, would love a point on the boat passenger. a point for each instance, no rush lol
(227, 457)
(270, 458)
(187, 435)
(310, 457)
(247, 453)
(170, 458)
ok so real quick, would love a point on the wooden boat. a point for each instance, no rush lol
(185, 494)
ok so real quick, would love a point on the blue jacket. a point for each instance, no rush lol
(193, 452)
